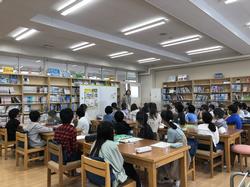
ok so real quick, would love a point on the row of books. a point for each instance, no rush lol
(59, 107)
(9, 79)
(60, 98)
(59, 90)
(201, 89)
(219, 97)
(4, 110)
(183, 90)
(9, 100)
(75, 99)
(34, 99)
(219, 89)
(201, 97)
(7, 90)
(35, 89)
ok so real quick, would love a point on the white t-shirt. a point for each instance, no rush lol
(154, 123)
(83, 124)
(204, 130)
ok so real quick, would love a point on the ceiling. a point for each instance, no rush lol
(101, 22)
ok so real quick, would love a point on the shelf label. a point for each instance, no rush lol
(8, 70)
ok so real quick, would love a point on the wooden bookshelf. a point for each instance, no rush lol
(224, 90)
(36, 92)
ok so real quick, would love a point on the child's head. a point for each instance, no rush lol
(119, 116)
(124, 106)
(34, 116)
(204, 107)
(167, 107)
(80, 112)
(141, 117)
(211, 107)
(108, 110)
(244, 106)
(179, 107)
(133, 107)
(66, 116)
(114, 106)
(84, 107)
(207, 118)
(105, 131)
(13, 113)
(233, 109)
(191, 108)
(52, 114)
(219, 113)
(167, 117)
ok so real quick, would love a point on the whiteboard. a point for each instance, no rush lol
(97, 98)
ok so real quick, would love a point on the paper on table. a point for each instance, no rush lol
(80, 137)
(130, 140)
(162, 126)
(161, 145)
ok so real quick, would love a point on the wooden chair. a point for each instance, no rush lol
(58, 166)
(101, 169)
(86, 148)
(22, 149)
(209, 155)
(192, 168)
(4, 143)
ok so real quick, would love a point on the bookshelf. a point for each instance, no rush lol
(224, 90)
(42, 93)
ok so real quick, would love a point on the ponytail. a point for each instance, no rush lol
(207, 118)
(172, 125)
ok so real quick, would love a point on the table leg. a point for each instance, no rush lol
(183, 170)
(152, 176)
(227, 155)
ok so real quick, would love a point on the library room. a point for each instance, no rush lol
(124, 93)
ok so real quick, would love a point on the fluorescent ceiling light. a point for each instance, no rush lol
(75, 7)
(78, 45)
(83, 47)
(204, 50)
(147, 60)
(120, 54)
(17, 32)
(144, 26)
(230, 1)
(64, 5)
(181, 40)
(248, 24)
(26, 34)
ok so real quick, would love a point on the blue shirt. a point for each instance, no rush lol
(191, 118)
(109, 118)
(235, 119)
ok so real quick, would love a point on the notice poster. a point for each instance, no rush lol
(91, 97)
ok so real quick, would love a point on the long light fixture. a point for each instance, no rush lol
(120, 54)
(22, 33)
(147, 60)
(248, 25)
(144, 26)
(204, 50)
(81, 45)
(230, 1)
(71, 6)
(181, 40)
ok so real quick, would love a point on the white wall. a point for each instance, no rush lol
(230, 69)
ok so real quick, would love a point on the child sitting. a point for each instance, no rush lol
(234, 117)
(108, 117)
(13, 124)
(83, 122)
(121, 127)
(145, 131)
(220, 122)
(52, 118)
(191, 117)
(34, 129)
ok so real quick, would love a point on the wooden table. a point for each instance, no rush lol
(232, 136)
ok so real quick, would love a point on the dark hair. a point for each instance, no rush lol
(219, 113)
(152, 110)
(52, 113)
(204, 107)
(34, 116)
(191, 108)
(80, 112)
(66, 115)
(168, 116)
(119, 116)
(13, 113)
(105, 132)
(207, 118)
(133, 107)
(179, 107)
(124, 106)
(145, 108)
(108, 109)
(233, 108)
(211, 106)
(84, 107)
(167, 106)
(244, 106)
(142, 117)
(114, 105)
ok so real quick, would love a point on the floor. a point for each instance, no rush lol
(35, 176)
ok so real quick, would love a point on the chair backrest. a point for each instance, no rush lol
(55, 152)
(231, 126)
(21, 141)
(86, 148)
(3, 134)
(99, 168)
(205, 140)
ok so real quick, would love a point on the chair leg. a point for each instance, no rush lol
(246, 161)
(222, 162)
(240, 158)
(1, 149)
(25, 161)
(48, 177)
(212, 167)
(5, 151)
(233, 159)
(17, 159)
(193, 172)
(60, 178)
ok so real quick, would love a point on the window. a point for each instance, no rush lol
(94, 73)
(77, 71)
(134, 91)
(10, 62)
(108, 74)
(54, 65)
(121, 75)
(31, 66)
(132, 76)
